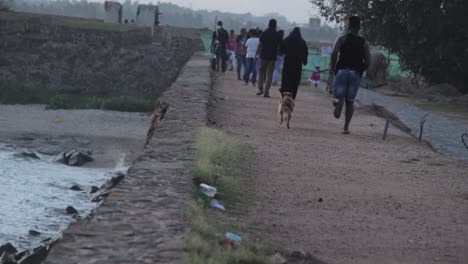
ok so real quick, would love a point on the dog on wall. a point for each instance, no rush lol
(285, 109)
(158, 116)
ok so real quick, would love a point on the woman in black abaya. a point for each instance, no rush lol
(296, 52)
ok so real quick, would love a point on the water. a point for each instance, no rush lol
(35, 193)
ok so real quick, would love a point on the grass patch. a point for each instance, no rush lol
(54, 100)
(444, 107)
(114, 103)
(24, 95)
(96, 25)
(220, 162)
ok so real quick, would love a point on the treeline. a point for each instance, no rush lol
(171, 14)
(429, 36)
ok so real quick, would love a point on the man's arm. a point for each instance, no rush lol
(334, 55)
(367, 55)
(259, 49)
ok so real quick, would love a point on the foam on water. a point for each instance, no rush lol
(35, 193)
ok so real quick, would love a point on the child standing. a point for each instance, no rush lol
(315, 78)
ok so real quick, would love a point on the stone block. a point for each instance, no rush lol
(147, 15)
(113, 12)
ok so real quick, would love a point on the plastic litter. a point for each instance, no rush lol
(215, 204)
(233, 237)
(208, 190)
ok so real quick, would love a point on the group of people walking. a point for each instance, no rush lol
(263, 54)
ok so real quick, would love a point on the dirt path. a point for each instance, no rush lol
(345, 199)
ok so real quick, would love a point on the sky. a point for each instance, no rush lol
(297, 11)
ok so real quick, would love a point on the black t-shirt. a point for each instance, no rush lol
(270, 40)
(221, 36)
(352, 54)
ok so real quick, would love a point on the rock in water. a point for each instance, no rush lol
(39, 254)
(61, 158)
(71, 211)
(76, 158)
(7, 258)
(94, 189)
(76, 188)
(9, 248)
(34, 233)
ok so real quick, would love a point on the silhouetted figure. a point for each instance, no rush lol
(295, 53)
(270, 41)
(219, 45)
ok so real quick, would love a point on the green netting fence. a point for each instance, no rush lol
(316, 58)
(206, 39)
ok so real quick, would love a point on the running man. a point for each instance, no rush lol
(349, 60)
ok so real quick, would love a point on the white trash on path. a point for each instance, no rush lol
(208, 190)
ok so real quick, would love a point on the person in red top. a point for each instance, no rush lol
(231, 49)
(315, 78)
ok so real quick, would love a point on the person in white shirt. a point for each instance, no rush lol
(251, 45)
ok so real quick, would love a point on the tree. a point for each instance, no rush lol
(429, 36)
(5, 5)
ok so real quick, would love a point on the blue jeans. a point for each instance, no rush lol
(278, 65)
(346, 84)
(250, 68)
(241, 60)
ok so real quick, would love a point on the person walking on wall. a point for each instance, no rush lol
(241, 52)
(251, 46)
(296, 54)
(279, 63)
(267, 50)
(349, 60)
(219, 45)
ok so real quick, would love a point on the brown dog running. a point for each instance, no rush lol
(286, 106)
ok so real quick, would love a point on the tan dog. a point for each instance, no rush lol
(286, 107)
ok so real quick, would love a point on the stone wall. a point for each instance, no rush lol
(142, 220)
(45, 52)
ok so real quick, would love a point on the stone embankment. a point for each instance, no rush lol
(142, 220)
(87, 56)
(443, 134)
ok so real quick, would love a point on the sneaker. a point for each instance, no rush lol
(267, 96)
(338, 108)
(246, 84)
(259, 93)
